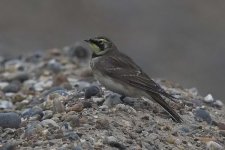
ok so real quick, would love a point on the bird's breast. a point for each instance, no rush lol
(112, 84)
(115, 85)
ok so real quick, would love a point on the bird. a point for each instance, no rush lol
(118, 73)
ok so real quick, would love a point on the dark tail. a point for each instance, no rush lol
(164, 104)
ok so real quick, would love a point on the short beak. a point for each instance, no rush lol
(88, 41)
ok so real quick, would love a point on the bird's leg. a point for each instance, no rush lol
(122, 98)
(127, 100)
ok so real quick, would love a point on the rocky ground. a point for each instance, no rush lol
(49, 100)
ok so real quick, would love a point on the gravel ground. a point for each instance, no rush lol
(51, 101)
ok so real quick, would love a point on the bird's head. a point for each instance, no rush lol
(99, 45)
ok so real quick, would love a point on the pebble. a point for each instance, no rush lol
(13, 87)
(53, 101)
(211, 145)
(9, 146)
(218, 103)
(29, 83)
(222, 133)
(98, 100)
(33, 129)
(55, 52)
(196, 103)
(48, 114)
(153, 136)
(112, 100)
(78, 107)
(87, 104)
(61, 91)
(102, 124)
(14, 65)
(43, 84)
(78, 51)
(35, 57)
(33, 112)
(91, 91)
(54, 66)
(208, 98)
(71, 135)
(126, 123)
(103, 108)
(170, 139)
(10, 120)
(221, 125)
(78, 147)
(49, 123)
(113, 142)
(125, 108)
(6, 104)
(193, 91)
(66, 126)
(62, 81)
(98, 144)
(202, 115)
(58, 107)
(18, 98)
(3, 85)
(19, 76)
(184, 130)
(129, 101)
(81, 85)
(178, 141)
(74, 121)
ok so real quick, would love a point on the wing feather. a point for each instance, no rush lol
(131, 74)
(125, 70)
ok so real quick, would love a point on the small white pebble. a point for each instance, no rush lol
(218, 103)
(9, 94)
(193, 91)
(82, 140)
(209, 98)
(126, 108)
(126, 123)
(97, 99)
(178, 141)
(104, 107)
(111, 139)
(211, 145)
(189, 144)
(95, 116)
(3, 84)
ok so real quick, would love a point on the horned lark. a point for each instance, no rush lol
(118, 73)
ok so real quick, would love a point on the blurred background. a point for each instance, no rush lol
(182, 41)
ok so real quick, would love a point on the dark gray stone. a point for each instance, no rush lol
(79, 52)
(57, 89)
(91, 91)
(112, 100)
(32, 112)
(113, 142)
(10, 120)
(23, 76)
(202, 115)
(72, 136)
(54, 66)
(13, 87)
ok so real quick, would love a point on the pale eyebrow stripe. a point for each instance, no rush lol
(104, 40)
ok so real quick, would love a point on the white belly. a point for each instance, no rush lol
(113, 84)
(117, 87)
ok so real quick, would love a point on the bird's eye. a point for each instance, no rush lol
(101, 42)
